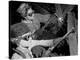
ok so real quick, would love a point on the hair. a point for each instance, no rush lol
(23, 8)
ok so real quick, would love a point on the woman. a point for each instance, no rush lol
(26, 26)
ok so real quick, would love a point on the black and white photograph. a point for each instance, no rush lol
(41, 30)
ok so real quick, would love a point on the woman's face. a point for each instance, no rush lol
(30, 14)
